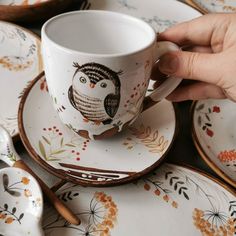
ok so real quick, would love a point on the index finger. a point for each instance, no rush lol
(198, 31)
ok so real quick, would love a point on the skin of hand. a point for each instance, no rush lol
(210, 65)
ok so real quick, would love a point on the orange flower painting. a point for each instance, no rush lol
(212, 223)
(227, 156)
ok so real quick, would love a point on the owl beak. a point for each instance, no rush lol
(92, 85)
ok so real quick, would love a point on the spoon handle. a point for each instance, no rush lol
(61, 208)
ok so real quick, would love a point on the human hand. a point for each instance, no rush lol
(211, 64)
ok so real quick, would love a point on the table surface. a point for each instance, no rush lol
(182, 152)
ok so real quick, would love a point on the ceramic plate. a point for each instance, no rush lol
(31, 10)
(21, 204)
(20, 62)
(172, 201)
(211, 6)
(21, 2)
(214, 134)
(122, 158)
(160, 14)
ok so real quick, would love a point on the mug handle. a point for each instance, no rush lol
(169, 84)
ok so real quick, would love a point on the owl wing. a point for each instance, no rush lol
(111, 104)
(71, 98)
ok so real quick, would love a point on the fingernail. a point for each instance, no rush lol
(168, 64)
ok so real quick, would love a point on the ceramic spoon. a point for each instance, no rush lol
(20, 203)
(11, 158)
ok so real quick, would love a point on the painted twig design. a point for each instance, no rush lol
(9, 216)
(53, 146)
(204, 118)
(152, 140)
(16, 188)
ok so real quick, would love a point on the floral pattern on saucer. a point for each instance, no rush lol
(119, 159)
(216, 5)
(20, 62)
(214, 134)
(20, 204)
(192, 203)
(153, 12)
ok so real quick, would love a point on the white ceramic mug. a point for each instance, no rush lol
(98, 66)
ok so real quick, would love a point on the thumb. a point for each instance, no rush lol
(191, 65)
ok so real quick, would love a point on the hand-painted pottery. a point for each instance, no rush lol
(172, 201)
(31, 10)
(20, 62)
(214, 134)
(106, 81)
(211, 6)
(154, 12)
(158, 13)
(21, 204)
(120, 159)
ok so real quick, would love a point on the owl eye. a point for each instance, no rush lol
(82, 80)
(103, 85)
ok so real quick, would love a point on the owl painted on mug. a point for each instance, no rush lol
(95, 92)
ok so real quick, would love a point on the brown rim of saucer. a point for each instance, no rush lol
(228, 188)
(203, 154)
(24, 13)
(16, 136)
(59, 173)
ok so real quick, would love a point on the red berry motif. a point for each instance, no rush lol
(216, 109)
(209, 132)
(54, 146)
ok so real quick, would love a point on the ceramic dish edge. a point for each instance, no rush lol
(203, 154)
(53, 171)
(16, 137)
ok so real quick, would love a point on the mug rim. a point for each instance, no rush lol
(99, 55)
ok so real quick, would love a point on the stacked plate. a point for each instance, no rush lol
(214, 134)
(31, 10)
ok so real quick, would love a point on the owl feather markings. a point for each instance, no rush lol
(95, 92)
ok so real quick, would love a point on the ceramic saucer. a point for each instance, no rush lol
(160, 14)
(120, 159)
(21, 203)
(211, 6)
(214, 134)
(20, 62)
(172, 201)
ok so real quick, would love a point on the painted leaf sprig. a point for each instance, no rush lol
(68, 196)
(16, 188)
(8, 188)
(160, 190)
(53, 146)
(178, 184)
(204, 118)
(150, 139)
(9, 216)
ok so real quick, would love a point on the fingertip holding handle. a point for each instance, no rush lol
(61, 208)
(170, 83)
